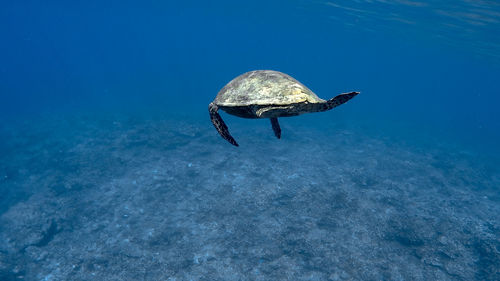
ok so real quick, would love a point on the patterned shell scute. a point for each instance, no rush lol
(264, 87)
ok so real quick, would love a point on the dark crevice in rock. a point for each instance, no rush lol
(48, 235)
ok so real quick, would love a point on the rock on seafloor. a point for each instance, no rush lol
(167, 199)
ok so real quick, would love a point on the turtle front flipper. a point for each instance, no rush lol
(276, 127)
(219, 124)
(340, 99)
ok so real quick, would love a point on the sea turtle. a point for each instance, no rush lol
(267, 94)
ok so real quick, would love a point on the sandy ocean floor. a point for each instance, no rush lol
(131, 198)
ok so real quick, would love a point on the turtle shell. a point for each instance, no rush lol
(265, 87)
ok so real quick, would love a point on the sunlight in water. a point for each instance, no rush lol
(475, 23)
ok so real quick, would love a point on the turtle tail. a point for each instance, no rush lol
(219, 124)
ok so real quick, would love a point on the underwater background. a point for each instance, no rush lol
(110, 168)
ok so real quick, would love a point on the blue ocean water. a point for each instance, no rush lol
(111, 170)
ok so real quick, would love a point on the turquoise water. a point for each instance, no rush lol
(110, 168)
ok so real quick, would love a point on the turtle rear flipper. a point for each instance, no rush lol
(219, 124)
(340, 99)
(329, 104)
(276, 127)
